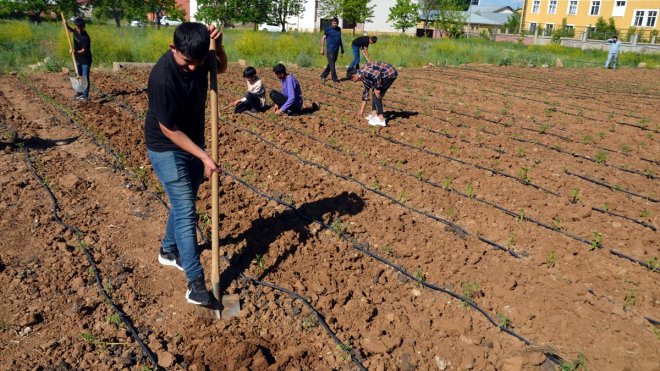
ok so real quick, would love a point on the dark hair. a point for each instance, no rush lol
(615, 37)
(249, 72)
(373, 39)
(79, 22)
(335, 19)
(279, 69)
(192, 40)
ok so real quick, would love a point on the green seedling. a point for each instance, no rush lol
(451, 212)
(653, 263)
(597, 241)
(503, 320)
(446, 183)
(656, 332)
(420, 142)
(606, 206)
(403, 197)
(338, 227)
(109, 288)
(477, 114)
(259, 261)
(453, 149)
(511, 241)
(248, 175)
(601, 134)
(630, 299)
(522, 152)
(551, 259)
(121, 160)
(649, 173)
(204, 219)
(89, 337)
(114, 320)
(556, 222)
(470, 291)
(544, 128)
(575, 195)
(618, 187)
(375, 184)
(521, 215)
(523, 174)
(579, 364)
(482, 128)
(587, 139)
(469, 191)
(600, 157)
(387, 250)
(420, 276)
(310, 322)
(332, 142)
(288, 199)
(5, 323)
(644, 214)
(420, 176)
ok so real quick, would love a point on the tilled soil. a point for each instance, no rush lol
(531, 195)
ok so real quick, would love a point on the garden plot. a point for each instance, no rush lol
(496, 198)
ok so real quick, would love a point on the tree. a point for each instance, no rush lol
(512, 23)
(602, 30)
(255, 11)
(562, 31)
(357, 11)
(220, 11)
(450, 18)
(116, 9)
(427, 8)
(283, 9)
(330, 8)
(403, 15)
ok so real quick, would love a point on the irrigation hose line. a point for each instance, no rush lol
(355, 357)
(90, 260)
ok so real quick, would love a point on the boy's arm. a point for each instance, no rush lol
(291, 97)
(323, 44)
(185, 143)
(365, 51)
(222, 59)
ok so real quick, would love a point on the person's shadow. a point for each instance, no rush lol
(263, 232)
(37, 142)
(391, 115)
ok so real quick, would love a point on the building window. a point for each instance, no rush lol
(573, 7)
(595, 7)
(639, 18)
(569, 27)
(536, 6)
(549, 27)
(532, 27)
(619, 8)
(651, 16)
(645, 18)
(552, 7)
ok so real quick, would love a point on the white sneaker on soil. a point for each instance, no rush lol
(375, 121)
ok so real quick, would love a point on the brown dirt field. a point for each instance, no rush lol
(520, 188)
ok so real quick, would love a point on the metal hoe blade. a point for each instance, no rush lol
(79, 83)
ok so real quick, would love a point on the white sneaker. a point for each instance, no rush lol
(375, 121)
(369, 118)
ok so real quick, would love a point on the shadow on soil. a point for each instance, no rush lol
(263, 232)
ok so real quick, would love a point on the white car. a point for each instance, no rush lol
(167, 21)
(135, 22)
(270, 27)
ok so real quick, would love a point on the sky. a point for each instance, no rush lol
(515, 4)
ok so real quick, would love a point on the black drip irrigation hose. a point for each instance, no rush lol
(125, 319)
(640, 222)
(577, 155)
(363, 248)
(653, 321)
(355, 357)
(611, 187)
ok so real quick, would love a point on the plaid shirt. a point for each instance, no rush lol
(372, 75)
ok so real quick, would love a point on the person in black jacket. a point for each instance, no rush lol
(82, 50)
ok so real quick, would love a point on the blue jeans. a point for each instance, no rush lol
(611, 57)
(181, 173)
(356, 57)
(83, 70)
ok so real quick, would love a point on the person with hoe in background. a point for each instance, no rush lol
(361, 43)
(613, 55)
(331, 44)
(376, 77)
(174, 136)
(82, 50)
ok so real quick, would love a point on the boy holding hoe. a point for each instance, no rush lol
(174, 135)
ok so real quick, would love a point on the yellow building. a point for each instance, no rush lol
(581, 14)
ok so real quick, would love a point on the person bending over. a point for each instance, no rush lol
(377, 77)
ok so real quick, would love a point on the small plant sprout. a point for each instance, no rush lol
(630, 299)
(259, 261)
(606, 206)
(551, 259)
(597, 241)
(446, 183)
(420, 176)
(109, 288)
(522, 152)
(587, 139)
(470, 291)
(653, 263)
(626, 149)
(248, 175)
(121, 160)
(503, 320)
(310, 322)
(523, 174)
(575, 195)
(453, 149)
(600, 157)
(115, 320)
(469, 191)
(375, 184)
(89, 337)
(601, 134)
(387, 250)
(511, 241)
(451, 212)
(338, 227)
(644, 214)
(420, 142)
(544, 128)
(656, 332)
(556, 222)
(579, 364)
(420, 276)
(403, 197)
(649, 173)
(521, 215)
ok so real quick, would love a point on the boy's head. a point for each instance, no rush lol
(614, 38)
(353, 74)
(191, 45)
(280, 71)
(373, 39)
(249, 73)
(79, 23)
(335, 22)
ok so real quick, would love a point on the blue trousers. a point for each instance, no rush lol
(181, 173)
(83, 70)
(356, 57)
(613, 58)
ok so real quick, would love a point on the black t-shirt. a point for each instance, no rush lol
(82, 41)
(176, 100)
(362, 42)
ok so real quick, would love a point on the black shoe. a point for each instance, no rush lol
(336, 81)
(197, 292)
(170, 259)
(315, 107)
